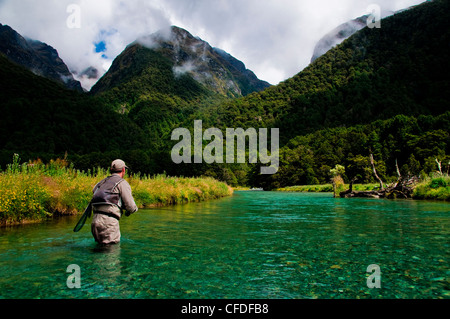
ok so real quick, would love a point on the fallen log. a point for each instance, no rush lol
(366, 194)
(403, 188)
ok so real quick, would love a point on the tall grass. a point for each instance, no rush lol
(162, 190)
(32, 192)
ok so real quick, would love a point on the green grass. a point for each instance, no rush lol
(34, 192)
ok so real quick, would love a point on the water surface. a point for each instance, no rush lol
(250, 245)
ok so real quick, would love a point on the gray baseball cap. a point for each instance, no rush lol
(118, 165)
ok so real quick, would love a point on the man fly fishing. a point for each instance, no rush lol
(111, 196)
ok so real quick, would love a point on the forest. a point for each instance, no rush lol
(382, 91)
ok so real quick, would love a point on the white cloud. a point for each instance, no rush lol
(274, 38)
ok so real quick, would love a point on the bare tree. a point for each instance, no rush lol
(372, 162)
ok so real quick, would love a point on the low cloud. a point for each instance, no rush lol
(184, 68)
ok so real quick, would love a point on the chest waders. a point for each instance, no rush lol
(103, 195)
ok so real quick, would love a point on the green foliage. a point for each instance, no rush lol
(337, 170)
(437, 188)
(439, 182)
(365, 94)
(311, 156)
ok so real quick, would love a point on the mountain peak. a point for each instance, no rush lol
(214, 69)
(36, 56)
(172, 34)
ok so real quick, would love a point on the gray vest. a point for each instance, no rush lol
(104, 193)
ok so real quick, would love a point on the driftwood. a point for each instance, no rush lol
(370, 194)
(402, 188)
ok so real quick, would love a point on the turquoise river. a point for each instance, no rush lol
(252, 245)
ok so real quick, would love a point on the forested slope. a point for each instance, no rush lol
(401, 68)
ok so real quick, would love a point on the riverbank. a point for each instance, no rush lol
(432, 188)
(34, 192)
(325, 188)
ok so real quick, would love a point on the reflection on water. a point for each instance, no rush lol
(250, 245)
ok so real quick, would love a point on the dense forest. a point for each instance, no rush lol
(382, 91)
(411, 143)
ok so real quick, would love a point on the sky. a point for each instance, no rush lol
(274, 38)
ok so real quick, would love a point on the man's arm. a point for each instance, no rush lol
(127, 197)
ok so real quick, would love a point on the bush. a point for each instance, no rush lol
(439, 182)
(433, 188)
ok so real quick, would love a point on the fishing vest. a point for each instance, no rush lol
(104, 195)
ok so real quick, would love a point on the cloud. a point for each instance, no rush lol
(184, 68)
(275, 39)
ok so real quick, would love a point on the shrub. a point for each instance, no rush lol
(433, 188)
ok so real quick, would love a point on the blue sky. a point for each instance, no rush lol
(274, 38)
(100, 47)
(102, 42)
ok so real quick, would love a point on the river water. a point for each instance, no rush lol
(250, 245)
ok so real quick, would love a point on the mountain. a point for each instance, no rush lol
(41, 118)
(38, 57)
(180, 53)
(385, 90)
(337, 35)
(246, 79)
(400, 68)
(162, 79)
